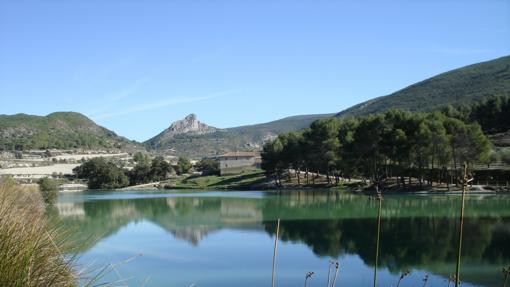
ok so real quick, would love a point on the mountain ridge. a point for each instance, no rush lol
(463, 85)
(193, 138)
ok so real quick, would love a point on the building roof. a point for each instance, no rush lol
(241, 154)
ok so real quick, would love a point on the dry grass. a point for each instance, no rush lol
(31, 249)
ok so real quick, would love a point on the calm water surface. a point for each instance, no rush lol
(226, 238)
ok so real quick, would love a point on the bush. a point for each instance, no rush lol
(102, 174)
(504, 155)
(208, 167)
(183, 165)
(49, 190)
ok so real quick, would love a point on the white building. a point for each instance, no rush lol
(238, 162)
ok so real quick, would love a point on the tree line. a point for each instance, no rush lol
(102, 173)
(492, 113)
(430, 147)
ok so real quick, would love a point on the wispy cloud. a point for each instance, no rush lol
(111, 99)
(162, 104)
(129, 90)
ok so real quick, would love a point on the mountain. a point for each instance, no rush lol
(460, 86)
(62, 130)
(190, 126)
(194, 139)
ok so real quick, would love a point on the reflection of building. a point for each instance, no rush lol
(68, 209)
(237, 162)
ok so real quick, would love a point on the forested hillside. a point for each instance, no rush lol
(60, 130)
(493, 115)
(460, 86)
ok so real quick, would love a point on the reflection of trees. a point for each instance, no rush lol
(416, 231)
(406, 242)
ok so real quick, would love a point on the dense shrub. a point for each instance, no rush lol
(208, 167)
(49, 190)
(30, 248)
(102, 174)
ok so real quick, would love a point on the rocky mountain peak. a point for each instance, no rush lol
(191, 117)
(189, 125)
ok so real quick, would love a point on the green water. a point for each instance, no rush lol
(226, 238)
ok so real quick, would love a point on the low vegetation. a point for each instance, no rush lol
(31, 249)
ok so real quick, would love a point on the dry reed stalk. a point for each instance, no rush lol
(402, 276)
(275, 252)
(336, 274)
(425, 280)
(331, 262)
(379, 198)
(308, 276)
(506, 274)
(465, 182)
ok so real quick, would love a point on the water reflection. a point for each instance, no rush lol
(417, 232)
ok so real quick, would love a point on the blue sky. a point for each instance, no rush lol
(136, 66)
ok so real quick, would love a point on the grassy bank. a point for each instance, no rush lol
(31, 250)
(247, 180)
(250, 180)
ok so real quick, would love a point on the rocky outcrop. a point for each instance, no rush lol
(193, 139)
(190, 125)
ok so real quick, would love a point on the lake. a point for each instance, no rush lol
(184, 238)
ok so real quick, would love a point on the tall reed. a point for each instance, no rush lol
(465, 181)
(380, 199)
(308, 276)
(402, 276)
(506, 274)
(275, 253)
(32, 251)
(331, 262)
(337, 267)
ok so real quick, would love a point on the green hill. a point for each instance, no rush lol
(460, 86)
(61, 130)
(218, 141)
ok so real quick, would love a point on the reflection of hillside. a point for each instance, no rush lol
(189, 219)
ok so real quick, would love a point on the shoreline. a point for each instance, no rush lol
(157, 186)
